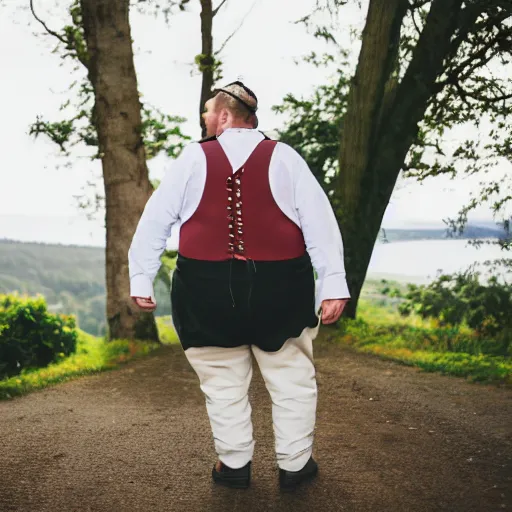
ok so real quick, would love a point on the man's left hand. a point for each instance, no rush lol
(146, 304)
(332, 310)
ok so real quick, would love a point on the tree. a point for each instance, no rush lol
(99, 38)
(93, 123)
(313, 126)
(474, 90)
(118, 123)
(208, 61)
(385, 107)
(421, 70)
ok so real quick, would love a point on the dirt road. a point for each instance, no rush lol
(389, 438)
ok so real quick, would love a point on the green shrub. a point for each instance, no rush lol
(390, 292)
(30, 336)
(422, 342)
(461, 298)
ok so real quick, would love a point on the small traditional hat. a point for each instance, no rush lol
(242, 94)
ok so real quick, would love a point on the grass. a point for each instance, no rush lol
(166, 331)
(93, 355)
(381, 331)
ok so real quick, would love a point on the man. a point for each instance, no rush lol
(253, 220)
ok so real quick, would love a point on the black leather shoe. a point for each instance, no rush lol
(291, 479)
(234, 478)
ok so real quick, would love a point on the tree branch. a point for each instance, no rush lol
(417, 4)
(477, 60)
(48, 30)
(476, 95)
(416, 89)
(468, 23)
(215, 11)
(226, 41)
(416, 26)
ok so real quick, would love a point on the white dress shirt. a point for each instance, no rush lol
(294, 188)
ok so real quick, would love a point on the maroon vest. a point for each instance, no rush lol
(237, 216)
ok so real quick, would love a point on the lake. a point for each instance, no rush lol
(420, 261)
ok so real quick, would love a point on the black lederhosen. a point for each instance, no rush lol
(232, 303)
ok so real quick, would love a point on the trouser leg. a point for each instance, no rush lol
(224, 375)
(289, 375)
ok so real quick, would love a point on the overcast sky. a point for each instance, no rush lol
(36, 191)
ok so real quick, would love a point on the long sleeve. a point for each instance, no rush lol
(162, 211)
(321, 232)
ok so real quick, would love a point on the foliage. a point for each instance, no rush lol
(473, 91)
(323, 31)
(160, 132)
(168, 260)
(209, 63)
(426, 69)
(313, 125)
(388, 291)
(30, 336)
(92, 355)
(426, 344)
(72, 280)
(166, 330)
(462, 298)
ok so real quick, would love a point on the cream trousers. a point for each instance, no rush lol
(289, 375)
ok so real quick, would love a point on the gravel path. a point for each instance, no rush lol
(389, 438)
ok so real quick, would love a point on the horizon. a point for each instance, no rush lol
(98, 233)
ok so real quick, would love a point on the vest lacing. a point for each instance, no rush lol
(236, 245)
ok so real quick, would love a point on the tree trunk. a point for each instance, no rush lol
(382, 121)
(358, 221)
(207, 58)
(125, 174)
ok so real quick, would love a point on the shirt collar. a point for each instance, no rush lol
(240, 130)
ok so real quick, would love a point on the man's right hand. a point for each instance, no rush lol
(145, 303)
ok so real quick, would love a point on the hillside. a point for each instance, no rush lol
(72, 279)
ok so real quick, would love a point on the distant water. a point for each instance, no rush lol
(420, 261)
(416, 261)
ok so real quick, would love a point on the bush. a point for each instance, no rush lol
(390, 292)
(30, 336)
(462, 299)
(412, 341)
